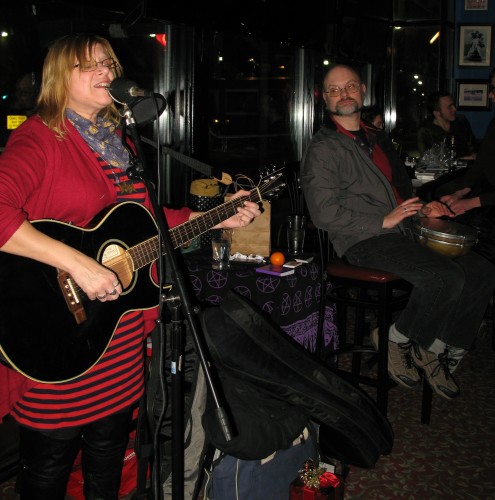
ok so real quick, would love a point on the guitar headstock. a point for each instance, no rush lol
(272, 181)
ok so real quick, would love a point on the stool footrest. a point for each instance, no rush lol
(351, 349)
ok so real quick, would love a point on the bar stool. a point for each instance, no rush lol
(365, 290)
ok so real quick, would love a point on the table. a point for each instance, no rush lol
(291, 301)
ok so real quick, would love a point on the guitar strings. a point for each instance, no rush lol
(147, 251)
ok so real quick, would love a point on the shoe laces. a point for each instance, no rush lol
(443, 364)
(450, 362)
(405, 352)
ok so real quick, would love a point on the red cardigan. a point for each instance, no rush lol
(45, 177)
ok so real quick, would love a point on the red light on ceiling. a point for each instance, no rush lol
(162, 39)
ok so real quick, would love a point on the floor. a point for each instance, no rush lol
(452, 458)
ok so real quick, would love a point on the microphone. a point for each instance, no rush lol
(126, 91)
(146, 109)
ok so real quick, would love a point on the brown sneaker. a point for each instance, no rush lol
(400, 365)
(436, 370)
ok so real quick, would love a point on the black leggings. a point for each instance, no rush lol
(47, 458)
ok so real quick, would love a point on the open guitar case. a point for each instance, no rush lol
(273, 386)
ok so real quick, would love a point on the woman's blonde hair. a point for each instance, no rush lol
(57, 71)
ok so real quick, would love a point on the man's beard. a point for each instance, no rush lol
(347, 111)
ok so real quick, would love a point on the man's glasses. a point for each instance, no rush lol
(350, 88)
(87, 66)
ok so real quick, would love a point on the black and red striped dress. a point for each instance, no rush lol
(114, 383)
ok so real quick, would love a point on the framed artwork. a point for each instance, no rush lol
(475, 45)
(472, 95)
(475, 4)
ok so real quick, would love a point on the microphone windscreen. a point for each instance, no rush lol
(147, 109)
(120, 88)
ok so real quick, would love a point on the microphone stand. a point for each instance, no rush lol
(179, 305)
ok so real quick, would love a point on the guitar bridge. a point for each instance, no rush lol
(71, 296)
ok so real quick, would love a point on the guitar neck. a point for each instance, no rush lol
(187, 231)
(146, 252)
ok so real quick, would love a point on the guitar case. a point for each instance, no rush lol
(247, 347)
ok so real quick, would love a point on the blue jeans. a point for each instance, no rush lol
(449, 296)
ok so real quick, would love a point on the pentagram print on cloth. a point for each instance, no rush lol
(304, 271)
(216, 279)
(243, 290)
(215, 300)
(268, 307)
(292, 302)
(313, 272)
(196, 285)
(292, 280)
(297, 302)
(285, 304)
(267, 284)
(308, 296)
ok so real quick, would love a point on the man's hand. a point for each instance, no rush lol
(436, 209)
(406, 209)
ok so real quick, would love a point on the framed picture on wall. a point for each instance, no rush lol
(475, 45)
(475, 4)
(472, 95)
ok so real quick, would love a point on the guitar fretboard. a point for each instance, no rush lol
(147, 251)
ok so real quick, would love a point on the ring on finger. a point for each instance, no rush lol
(113, 292)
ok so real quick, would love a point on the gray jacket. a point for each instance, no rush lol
(346, 194)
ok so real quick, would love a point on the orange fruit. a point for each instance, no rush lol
(277, 258)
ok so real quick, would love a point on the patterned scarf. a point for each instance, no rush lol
(102, 138)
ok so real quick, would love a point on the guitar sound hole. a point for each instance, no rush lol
(116, 258)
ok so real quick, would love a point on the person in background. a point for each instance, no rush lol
(67, 162)
(471, 197)
(374, 117)
(26, 92)
(20, 104)
(443, 123)
(357, 189)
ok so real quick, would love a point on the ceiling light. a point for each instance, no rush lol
(435, 37)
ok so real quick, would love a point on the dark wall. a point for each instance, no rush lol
(479, 119)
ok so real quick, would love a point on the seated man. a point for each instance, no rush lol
(443, 124)
(358, 190)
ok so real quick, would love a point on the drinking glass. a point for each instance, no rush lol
(220, 244)
(296, 229)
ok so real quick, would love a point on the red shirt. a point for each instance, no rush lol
(377, 156)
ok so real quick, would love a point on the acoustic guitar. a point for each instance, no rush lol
(49, 329)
